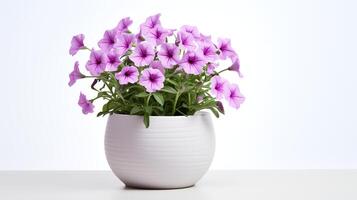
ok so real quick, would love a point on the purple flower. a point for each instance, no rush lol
(234, 57)
(123, 43)
(169, 55)
(112, 61)
(171, 31)
(218, 87)
(87, 106)
(96, 63)
(143, 54)
(156, 64)
(128, 74)
(76, 44)
(152, 79)
(123, 25)
(75, 74)
(150, 23)
(225, 49)
(209, 51)
(204, 38)
(233, 96)
(211, 67)
(186, 40)
(108, 41)
(157, 35)
(192, 30)
(192, 63)
(236, 67)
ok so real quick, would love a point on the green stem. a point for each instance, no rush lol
(175, 103)
(86, 48)
(189, 102)
(109, 89)
(181, 112)
(223, 70)
(147, 100)
(117, 87)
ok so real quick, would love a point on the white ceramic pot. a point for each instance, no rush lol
(174, 152)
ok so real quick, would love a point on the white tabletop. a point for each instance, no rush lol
(225, 185)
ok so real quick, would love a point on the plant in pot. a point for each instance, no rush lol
(155, 85)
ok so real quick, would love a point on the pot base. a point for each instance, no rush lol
(133, 187)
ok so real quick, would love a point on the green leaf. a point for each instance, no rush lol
(113, 82)
(172, 82)
(188, 88)
(110, 106)
(146, 119)
(159, 108)
(159, 98)
(103, 94)
(148, 109)
(142, 94)
(105, 108)
(169, 89)
(101, 114)
(214, 111)
(135, 110)
(209, 103)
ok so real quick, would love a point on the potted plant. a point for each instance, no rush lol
(155, 84)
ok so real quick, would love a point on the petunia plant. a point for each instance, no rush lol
(157, 71)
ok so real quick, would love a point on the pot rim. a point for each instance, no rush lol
(198, 113)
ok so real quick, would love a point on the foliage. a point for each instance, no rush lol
(142, 75)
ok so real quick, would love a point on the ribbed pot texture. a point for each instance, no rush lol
(174, 152)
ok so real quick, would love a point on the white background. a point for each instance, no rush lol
(298, 59)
